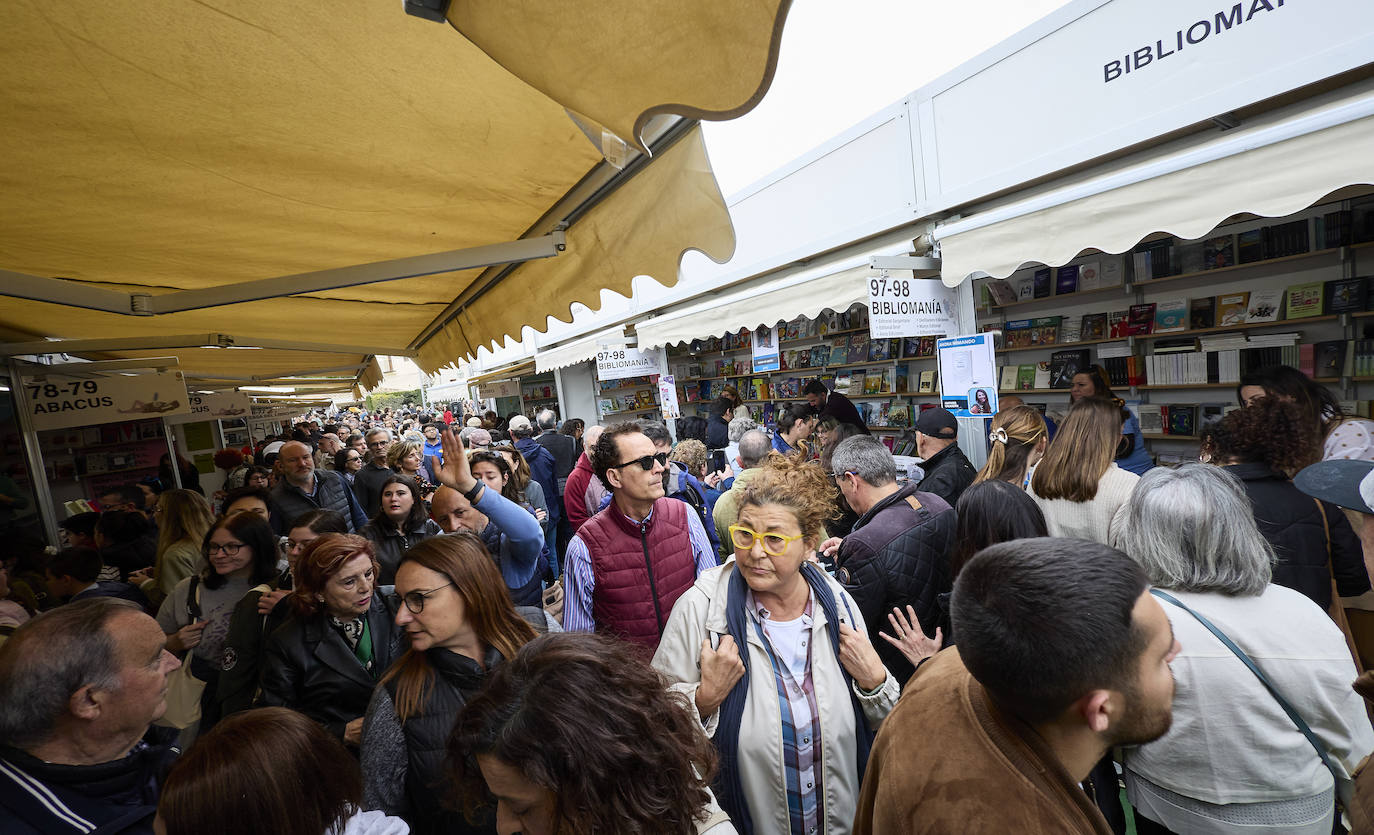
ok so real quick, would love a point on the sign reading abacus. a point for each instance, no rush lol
(901, 306)
(619, 363)
(60, 402)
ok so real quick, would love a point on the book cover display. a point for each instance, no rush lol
(1171, 316)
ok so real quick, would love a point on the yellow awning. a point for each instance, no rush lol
(152, 149)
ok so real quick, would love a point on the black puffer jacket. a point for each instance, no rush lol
(898, 555)
(1292, 523)
(948, 474)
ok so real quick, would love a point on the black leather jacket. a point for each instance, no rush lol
(948, 474)
(308, 666)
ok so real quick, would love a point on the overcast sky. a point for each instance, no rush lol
(841, 62)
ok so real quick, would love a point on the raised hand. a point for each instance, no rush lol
(911, 640)
(455, 471)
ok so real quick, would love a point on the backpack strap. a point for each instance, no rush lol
(1268, 685)
(193, 599)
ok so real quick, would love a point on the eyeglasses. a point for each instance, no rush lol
(774, 544)
(646, 462)
(230, 549)
(415, 601)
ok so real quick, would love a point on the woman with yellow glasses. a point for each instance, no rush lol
(774, 657)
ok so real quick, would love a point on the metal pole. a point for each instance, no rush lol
(33, 454)
(172, 451)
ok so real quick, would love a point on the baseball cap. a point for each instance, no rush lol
(519, 423)
(937, 423)
(474, 422)
(1343, 482)
(479, 437)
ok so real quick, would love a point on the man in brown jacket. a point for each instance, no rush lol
(1062, 654)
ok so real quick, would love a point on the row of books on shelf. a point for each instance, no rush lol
(644, 399)
(881, 381)
(1180, 315)
(1056, 373)
(1054, 281)
(540, 392)
(645, 381)
(828, 322)
(1167, 257)
(855, 349)
(1185, 419)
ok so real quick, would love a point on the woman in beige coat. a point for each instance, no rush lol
(794, 715)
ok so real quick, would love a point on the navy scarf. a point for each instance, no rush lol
(729, 788)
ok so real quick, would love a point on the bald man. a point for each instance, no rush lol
(303, 488)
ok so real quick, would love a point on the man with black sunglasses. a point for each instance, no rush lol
(629, 564)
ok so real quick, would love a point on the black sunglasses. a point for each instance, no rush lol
(646, 462)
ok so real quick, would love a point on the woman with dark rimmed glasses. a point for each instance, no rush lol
(458, 616)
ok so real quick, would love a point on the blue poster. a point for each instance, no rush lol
(968, 374)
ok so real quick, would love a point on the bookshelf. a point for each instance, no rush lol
(1338, 325)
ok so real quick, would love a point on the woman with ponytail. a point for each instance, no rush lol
(773, 656)
(1018, 439)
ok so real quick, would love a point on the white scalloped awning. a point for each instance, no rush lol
(579, 350)
(759, 306)
(1271, 169)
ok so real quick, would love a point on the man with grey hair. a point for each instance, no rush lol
(564, 451)
(304, 488)
(897, 555)
(367, 483)
(329, 446)
(79, 687)
(754, 446)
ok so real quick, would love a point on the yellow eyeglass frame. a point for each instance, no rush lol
(753, 536)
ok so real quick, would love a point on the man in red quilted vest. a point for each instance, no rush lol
(628, 564)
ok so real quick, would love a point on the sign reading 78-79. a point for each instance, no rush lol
(60, 402)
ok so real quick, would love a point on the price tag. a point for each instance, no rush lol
(900, 306)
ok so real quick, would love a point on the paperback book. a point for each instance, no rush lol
(1089, 276)
(1264, 306)
(1066, 280)
(1041, 283)
(1202, 313)
(1304, 300)
(1141, 319)
(1347, 295)
(1171, 316)
(1094, 326)
(1231, 308)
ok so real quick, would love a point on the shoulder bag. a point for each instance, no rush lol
(183, 688)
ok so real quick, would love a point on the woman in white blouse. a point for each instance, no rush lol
(1234, 761)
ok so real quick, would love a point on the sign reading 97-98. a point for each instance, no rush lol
(60, 402)
(905, 306)
(619, 363)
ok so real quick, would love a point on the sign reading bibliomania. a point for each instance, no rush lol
(901, 306)
(60, 402)
(620, 363)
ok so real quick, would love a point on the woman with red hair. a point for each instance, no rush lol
(325, 662)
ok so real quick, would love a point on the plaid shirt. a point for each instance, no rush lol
(801, 720)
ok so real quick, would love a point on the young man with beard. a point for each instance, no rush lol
(1062, 654)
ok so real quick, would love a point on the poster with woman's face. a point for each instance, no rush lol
(967, 374)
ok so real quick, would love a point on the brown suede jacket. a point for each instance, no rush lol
(948, 761)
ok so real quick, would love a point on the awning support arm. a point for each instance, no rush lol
(79, 294)
(199, 340)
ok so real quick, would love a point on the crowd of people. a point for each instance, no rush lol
(478, 625)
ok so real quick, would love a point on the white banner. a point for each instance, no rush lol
(764, 349)
(619, 363)
(230, 404)
(667, 397)
(58, 402)
(899, 305)
(968, 374)
(501, 388)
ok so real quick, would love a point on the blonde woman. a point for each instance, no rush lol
(407, 458)
(1018, 438)
(1077, 484)
(183, 517)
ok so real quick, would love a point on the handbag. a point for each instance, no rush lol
(184, 690)
(1287, 706)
